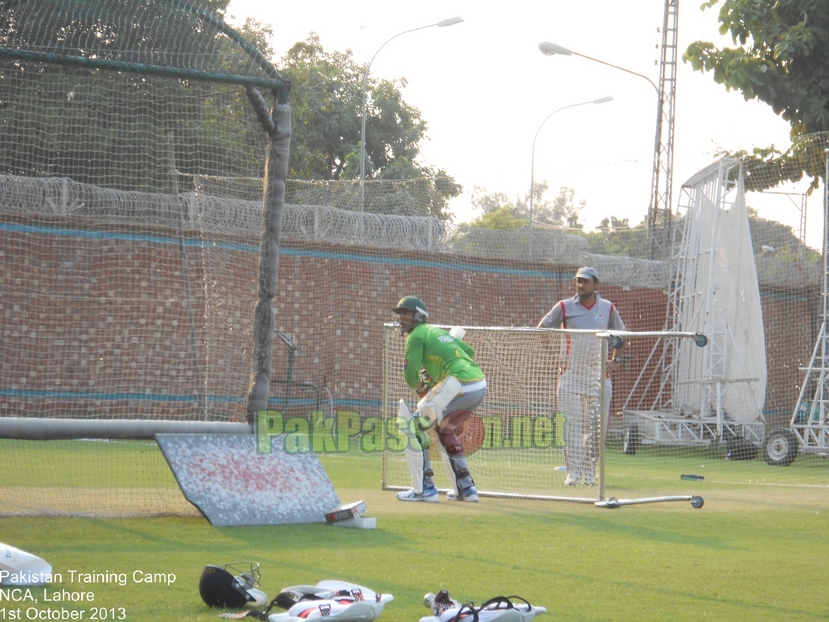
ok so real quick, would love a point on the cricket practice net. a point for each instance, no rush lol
(118, 345)
(131, 217)
(545, 390)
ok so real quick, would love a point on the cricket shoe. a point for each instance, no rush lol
(572, 480)
(467, 494)
(429, 495)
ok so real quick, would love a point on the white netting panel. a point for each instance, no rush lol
(238, 211)
(130, 219)
(520, 427)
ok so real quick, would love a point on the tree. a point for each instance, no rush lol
(489, 202)
(778, 239)
(112, 128)
(614, 236)
(560, 212)
(502, 218)
(326, 99)
(782, 59)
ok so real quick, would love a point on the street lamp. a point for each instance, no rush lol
(441, 24)
(550, 49)
(601, 100)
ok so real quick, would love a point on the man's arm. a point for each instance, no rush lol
(616, 353)
(467, 349)
(553, 319)
(414, 361)
(616, 323)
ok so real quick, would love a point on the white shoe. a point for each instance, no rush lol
(470, 495)
(572, 479)
(429, 495)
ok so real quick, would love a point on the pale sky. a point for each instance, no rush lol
(484, 89)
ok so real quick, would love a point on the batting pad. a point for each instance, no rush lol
(21, 568)
(232, 484)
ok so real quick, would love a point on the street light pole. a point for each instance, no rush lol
(550, 49)
(601, 100)
(441, 24)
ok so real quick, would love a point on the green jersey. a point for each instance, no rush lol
(440, 354)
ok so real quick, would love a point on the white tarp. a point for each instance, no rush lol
(721, 298)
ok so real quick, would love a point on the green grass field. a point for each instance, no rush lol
(755, 551)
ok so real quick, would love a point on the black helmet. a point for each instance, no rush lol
(219, 588)
(418, 309)
(415, 304)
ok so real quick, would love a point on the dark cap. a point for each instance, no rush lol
(587, 272)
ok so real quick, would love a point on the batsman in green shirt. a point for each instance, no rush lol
(439, 367)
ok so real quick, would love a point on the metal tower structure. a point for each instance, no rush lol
(659, 210)
(682, 394)
(808, 431)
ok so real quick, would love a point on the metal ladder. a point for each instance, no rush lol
(809, 420)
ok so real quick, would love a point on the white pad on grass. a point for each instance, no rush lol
(504, 611)
(232, 484)
(342, 601)
(20, 568)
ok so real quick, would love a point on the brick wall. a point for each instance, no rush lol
(148, 323)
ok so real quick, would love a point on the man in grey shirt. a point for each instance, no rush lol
(579, 388)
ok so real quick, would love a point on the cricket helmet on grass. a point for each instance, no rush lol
(233, 585)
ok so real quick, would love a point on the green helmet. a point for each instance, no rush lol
(414, 304)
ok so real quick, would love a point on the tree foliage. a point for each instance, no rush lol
(117, 128)
(772, 236)
(780, 57)
(326, 99)
(562, 211)
(502, 218)
(615, 236)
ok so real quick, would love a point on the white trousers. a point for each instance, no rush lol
(578, 399)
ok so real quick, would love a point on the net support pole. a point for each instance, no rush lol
(603, 397)
(387, 342)
(277, 124)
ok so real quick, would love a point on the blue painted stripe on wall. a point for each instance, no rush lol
(285, 251)
(250, 248)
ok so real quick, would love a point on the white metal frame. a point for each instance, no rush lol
(668, 429)
(662, 420)
(813, 433)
